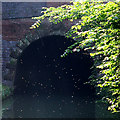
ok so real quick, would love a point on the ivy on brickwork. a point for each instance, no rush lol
(98, 32)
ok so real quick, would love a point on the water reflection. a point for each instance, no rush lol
(57, 107)
(54, 107)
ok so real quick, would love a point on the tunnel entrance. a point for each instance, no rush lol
(41, 72)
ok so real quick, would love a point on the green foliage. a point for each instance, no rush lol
(98, 32)
(6, 91)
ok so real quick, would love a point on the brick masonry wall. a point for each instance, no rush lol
(6, 49)
(15, 29)
(16, 20)
(12, 31)
(17, 10)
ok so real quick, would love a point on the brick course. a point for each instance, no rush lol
(16, 20)
(15, 29)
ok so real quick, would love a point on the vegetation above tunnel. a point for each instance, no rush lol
(96, 31)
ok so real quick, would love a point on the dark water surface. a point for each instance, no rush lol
(51, 107)
(54, 107)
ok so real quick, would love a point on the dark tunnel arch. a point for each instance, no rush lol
(41, 71)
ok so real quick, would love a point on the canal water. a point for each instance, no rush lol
(54, 107)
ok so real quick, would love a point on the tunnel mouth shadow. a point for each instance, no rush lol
(48, 86)
(41, 71)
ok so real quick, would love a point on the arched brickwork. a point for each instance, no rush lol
(45, 29)
(40, 66)
(16, 20)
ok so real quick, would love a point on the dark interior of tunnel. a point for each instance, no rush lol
(48, 86)
(41, 71)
